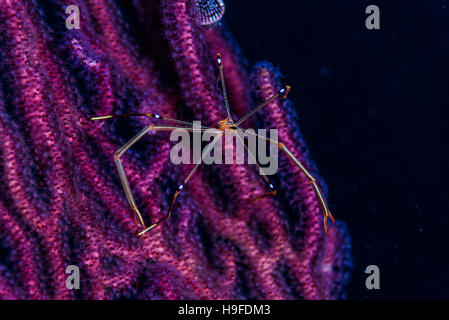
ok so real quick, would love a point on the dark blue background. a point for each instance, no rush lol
(373, 111)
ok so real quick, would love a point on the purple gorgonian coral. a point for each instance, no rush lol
(61, 200)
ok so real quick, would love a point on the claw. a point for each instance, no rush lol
(285, 92)
(327, 215)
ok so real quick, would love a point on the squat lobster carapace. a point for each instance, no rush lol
(225, 124)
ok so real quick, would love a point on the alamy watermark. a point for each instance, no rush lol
(261, 147)
(73, 280)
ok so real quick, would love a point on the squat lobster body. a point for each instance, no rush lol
(223, 125)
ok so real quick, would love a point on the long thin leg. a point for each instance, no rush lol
(284, 92)
(117, 159)
(267, 194)
(122, 174)
(319, 194)
(223, 86)
(149, 115)
(181, 187)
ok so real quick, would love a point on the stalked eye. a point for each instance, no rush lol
(207, 12)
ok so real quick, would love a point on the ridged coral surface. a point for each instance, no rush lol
(61, 201)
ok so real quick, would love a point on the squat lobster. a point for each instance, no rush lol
(223, 125)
